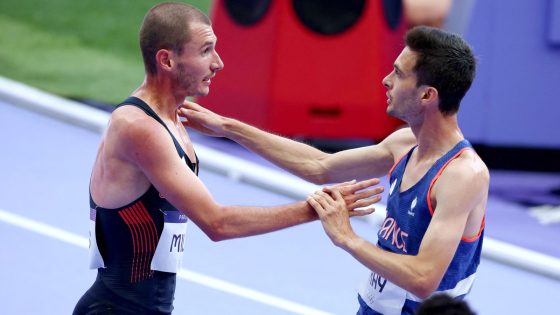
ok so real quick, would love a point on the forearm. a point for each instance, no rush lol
(241, 221)
(297, 158)
(407, 271)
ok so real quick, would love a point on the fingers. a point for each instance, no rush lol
(324, 199)
(337, 195)
(360, 199)
(191, 110)
(364, 198)
(322, 202)
(341, 184)
(368, 193)
(348, 188)
(315, 205)
(363, 184)
(191, 105)
(195, 116)
(364, 202)
(187, 112)
(361, 213)
(188, 117)
(357, 199)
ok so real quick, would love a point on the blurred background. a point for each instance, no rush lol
(319, 62)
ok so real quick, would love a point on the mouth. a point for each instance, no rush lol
(208, 79)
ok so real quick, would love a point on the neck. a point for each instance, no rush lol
(437, 135)
(160, 96)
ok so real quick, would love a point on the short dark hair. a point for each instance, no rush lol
(445, 61)
(167, 26)
(443, 304)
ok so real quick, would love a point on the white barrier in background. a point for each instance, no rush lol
(51, 105)
(241, 170)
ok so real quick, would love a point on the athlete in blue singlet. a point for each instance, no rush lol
(431, 239)
(409, 213)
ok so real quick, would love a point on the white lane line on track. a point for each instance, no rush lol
(208, 281)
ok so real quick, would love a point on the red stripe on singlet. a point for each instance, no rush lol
(141, 243)
(143, 248)
(129, 222)
(144, 235)
(145, 239)
(152, 233)
(154, 237)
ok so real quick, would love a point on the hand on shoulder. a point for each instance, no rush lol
(201, 119)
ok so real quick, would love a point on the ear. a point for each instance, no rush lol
(430, 94)
(163, 59)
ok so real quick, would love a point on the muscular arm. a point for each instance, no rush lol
(460, 191)
(147, 145)
(301, 159)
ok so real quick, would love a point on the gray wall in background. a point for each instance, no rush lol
(459, 16)
(514, 100)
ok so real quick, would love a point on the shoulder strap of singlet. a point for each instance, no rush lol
(406, 155)
(453, 152)
(135, 101)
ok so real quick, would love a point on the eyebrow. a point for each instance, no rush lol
(208, 42)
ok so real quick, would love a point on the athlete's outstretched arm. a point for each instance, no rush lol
(147, 146)
(298, 158)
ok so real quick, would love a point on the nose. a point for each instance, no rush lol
(217, 64)
(386, 81)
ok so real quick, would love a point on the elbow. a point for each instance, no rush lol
(424, 286)
(423, 291)
(315, 171)
(216, 236)
(316, 179)
(219, 230)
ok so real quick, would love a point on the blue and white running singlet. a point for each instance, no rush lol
(408, 215)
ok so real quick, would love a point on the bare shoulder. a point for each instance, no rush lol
(399, 142)
(133, 131)
(468, 169)
(462, 193)
(403, 136)
(127, 117)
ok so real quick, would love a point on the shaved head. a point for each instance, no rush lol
(167, 26)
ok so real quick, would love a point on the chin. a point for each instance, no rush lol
(203, 92)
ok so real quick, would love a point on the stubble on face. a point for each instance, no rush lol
(186, 82)
(194, 67)
(403, 97)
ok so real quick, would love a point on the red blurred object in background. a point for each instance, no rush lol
(310, 69)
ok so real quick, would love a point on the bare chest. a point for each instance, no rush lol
(182, 137)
